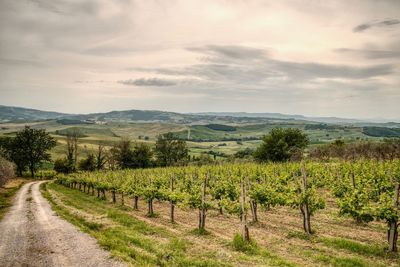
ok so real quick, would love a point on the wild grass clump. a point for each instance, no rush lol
(239, 244)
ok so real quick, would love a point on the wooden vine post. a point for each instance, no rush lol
(393, 225)
(304, 206)
(172, 205)
(202, 209)
(253, 204)
(245, 229)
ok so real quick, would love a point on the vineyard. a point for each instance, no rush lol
(363, 190)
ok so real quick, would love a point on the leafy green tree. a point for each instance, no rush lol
(170, 151)
(142, 155)
(124, 154)
(62, 165)
(33, 144)
(281, 145)
(88, 164)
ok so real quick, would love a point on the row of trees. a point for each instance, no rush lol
(168, 151)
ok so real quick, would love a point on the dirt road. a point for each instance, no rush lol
(32, 235)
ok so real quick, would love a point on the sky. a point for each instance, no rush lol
(315, 58)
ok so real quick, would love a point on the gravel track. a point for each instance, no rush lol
(31, 234)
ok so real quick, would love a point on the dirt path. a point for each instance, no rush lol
(32, 235)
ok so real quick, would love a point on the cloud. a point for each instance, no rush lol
(248, 71)
(230, 51)
(148, 82)
(382, 23)
(370, 53)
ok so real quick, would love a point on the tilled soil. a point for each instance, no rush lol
(31, 234)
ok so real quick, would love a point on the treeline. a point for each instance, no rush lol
(389, 149)
(168, 151)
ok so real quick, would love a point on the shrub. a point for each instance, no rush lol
(241, 245)
(6, 171)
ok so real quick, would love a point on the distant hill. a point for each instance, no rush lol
(25, 114)
(18, 114)
(281, 116)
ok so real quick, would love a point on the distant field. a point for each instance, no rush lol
(216, 138)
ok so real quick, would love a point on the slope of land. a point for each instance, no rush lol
(141, 240)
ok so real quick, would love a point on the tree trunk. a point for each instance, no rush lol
(113, 196)
(135, 202)
(245, 229)
(122, 199)
(98, 193)
(253, 205)
(172, 209)
(393, 225)
(304, 206)
(392, 236)
(220, 210)
(150, 211)
(104, 193)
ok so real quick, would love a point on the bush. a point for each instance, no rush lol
(88, 164)
(63, 166)
(240, 245)
(6, 171)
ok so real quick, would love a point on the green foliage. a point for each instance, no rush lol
(221, 127)
(63, 165)
(240, 244)
(88, 164)
(281, 145)
(170, 151)
(29, 148)
(381, 131)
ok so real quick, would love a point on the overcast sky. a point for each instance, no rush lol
(319, 58)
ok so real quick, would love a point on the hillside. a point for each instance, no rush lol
(26, 114)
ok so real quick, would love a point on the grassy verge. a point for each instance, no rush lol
(142, 244)
(7, 193)
(126, 237)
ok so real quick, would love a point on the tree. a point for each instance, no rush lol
(281, 145)
(142, 155)
(6, 171)
(170, 151)
(72, 148)
(88, 164)
(34, 145)
(62, 166)
(101, 157)
(124, 154)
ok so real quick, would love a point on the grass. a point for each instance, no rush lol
(141, 241)
(7, 193)
(244, 246)
(357, 247)
(126, 237)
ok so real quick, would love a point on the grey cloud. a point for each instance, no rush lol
(382, 23)
(230, 51)
(251, 72)
(67, 7)
(148, 82)
(371, 54)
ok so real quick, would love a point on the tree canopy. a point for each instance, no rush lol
(281, 145)
(28, 149)
(170, 151)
